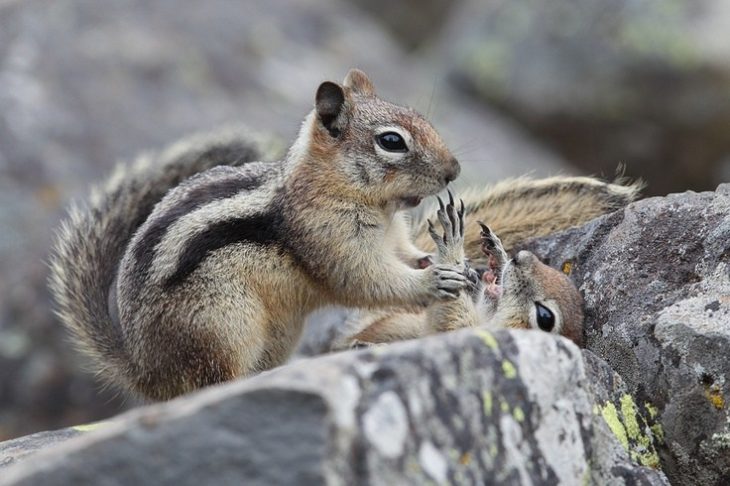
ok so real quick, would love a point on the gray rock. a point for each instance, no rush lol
(463, 408)
(656, 280)
(85, 83)
(13, 450)
(638, 82)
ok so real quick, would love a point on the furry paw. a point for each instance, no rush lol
(496, 255)
(450, 245)
(449, 280)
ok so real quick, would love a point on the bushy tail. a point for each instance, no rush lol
(522, 208)
(92, 240)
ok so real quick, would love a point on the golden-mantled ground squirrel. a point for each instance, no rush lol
(512, 293)
(213, 280)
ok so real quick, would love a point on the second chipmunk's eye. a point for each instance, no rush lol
(392, 142)
(545, 317)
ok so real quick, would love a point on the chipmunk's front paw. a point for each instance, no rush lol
(449, 280)
(450, 245)
(496, 255)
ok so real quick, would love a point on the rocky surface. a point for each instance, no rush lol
(656, 280)
(468, 407)
(84, 83)
(604, 82)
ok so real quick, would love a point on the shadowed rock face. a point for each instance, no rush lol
(656, 281)
(463, 408)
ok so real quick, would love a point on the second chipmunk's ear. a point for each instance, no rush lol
(359, 82)
(330, 103)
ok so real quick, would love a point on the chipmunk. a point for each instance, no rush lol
(170, 286)
(516, 209)
(517, 293)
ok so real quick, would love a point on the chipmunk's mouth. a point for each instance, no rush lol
(411, 202)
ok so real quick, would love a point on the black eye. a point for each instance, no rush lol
(392, 142)
(545, 317)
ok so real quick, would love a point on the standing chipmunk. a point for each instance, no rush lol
(516, 209)
(214, 282)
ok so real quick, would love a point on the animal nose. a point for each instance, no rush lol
(452, 170)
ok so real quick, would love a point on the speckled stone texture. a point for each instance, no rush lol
(656, 280)
(471, 407)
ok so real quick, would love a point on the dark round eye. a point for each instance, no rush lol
(392, 142)
(545, 317)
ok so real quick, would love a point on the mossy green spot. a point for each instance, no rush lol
(628, 410)
(518, 414)
(658, 431)
(488, 338)
(503, 405)
(509, 369)
(651, 410)
(487, 402)
(610, 415)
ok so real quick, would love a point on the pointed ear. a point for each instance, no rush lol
(329, 102)
(359, 82)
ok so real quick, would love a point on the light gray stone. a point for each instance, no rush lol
(463, 408)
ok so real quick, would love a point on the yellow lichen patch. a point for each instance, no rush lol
(503, 406)
(487, 402)
(644, 452)
(89, 427)
(652, 410)
(714, 395)
(509, 369)
(465, 459)
(567, 267)
(518, 414)
(658, 432)
(628, 410)
(610, 415)
(487, 338)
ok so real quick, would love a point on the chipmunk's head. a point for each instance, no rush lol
(387, 153)
(536, 296)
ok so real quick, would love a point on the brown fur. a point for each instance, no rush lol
(515, 209)
(215, 280)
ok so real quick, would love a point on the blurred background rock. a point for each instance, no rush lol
(514, 86)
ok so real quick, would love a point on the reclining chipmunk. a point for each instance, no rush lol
(519, 293)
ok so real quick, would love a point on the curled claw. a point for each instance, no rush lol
(451, 197)
(461, 218)
(441, 203)
(485, 229)
(492, 248)
(486, 235)
(432, 231)
(445, 220)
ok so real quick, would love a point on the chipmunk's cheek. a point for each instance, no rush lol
(411, 202)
